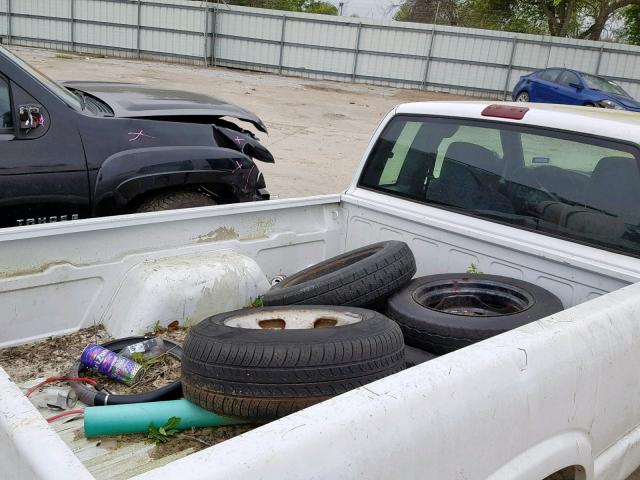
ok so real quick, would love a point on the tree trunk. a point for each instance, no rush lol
(424, 11)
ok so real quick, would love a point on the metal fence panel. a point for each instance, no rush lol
(458, 60)
(173, 17)
(101, 11)
(394, 41)
(238, 51)
(318, 60)
(249, 26)
(105, 36)
(45, 8)
(570, 57)
(397, 68)
(532, 55)
(26, 27)
(340, 35)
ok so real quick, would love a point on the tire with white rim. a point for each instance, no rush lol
(268, 362)
(523, 97)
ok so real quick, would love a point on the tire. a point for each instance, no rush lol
(268, 371)
(174, 200)
(414, 356)
(442, 313)
(359, 278)
(523, 97)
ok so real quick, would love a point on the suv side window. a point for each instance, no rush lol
(566, 78)
(564, 184)
(6, 119)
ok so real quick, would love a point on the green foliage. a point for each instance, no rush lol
(521, 16)
(404, 13)
(631, 30)
(257, 302)
(306, 6)
(138, 357)
(586, 19)
(165, 432)
(473, 268)
(324, 8)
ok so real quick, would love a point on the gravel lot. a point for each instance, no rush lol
(318, 130)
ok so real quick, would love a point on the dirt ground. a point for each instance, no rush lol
(318, 130)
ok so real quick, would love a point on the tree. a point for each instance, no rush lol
(428, 11)
(506, 15)
(631, 30)
(585, 19)
(324, 8)
(307, 6)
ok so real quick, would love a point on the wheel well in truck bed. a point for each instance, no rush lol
(574, 472)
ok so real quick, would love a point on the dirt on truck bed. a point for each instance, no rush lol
(119, 457)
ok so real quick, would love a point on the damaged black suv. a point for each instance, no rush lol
(88, 149)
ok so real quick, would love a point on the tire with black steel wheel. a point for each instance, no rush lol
(442, 313)
(358, 278)
(174, 200)
(268, 362)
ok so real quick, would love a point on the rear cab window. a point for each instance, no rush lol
(564, 184)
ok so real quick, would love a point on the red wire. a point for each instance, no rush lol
(60, 379)
(64, 414)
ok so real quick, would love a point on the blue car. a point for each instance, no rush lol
(570, 87)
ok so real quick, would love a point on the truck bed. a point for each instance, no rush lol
(75, 287)
(117, 457)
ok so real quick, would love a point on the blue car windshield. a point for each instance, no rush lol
(604, 85)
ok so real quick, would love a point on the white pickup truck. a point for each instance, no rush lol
(547, 194)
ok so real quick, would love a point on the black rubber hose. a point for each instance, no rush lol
(90, 396)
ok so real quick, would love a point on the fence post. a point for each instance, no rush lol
(599, 59)
(138, 28)
(214, 21)
(356, 53)
(428, 62)
(205, 35)
(282, 33)
(510, 66)
(73, 25)
(546, 64)
(8, 21)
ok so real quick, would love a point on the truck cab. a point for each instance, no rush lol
(88, 149)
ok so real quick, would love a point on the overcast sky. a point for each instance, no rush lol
(367, 8)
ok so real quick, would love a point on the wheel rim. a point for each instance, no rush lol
(473, 298)
(293, 319)
(522, 97)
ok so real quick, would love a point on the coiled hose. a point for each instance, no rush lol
(90, 396)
